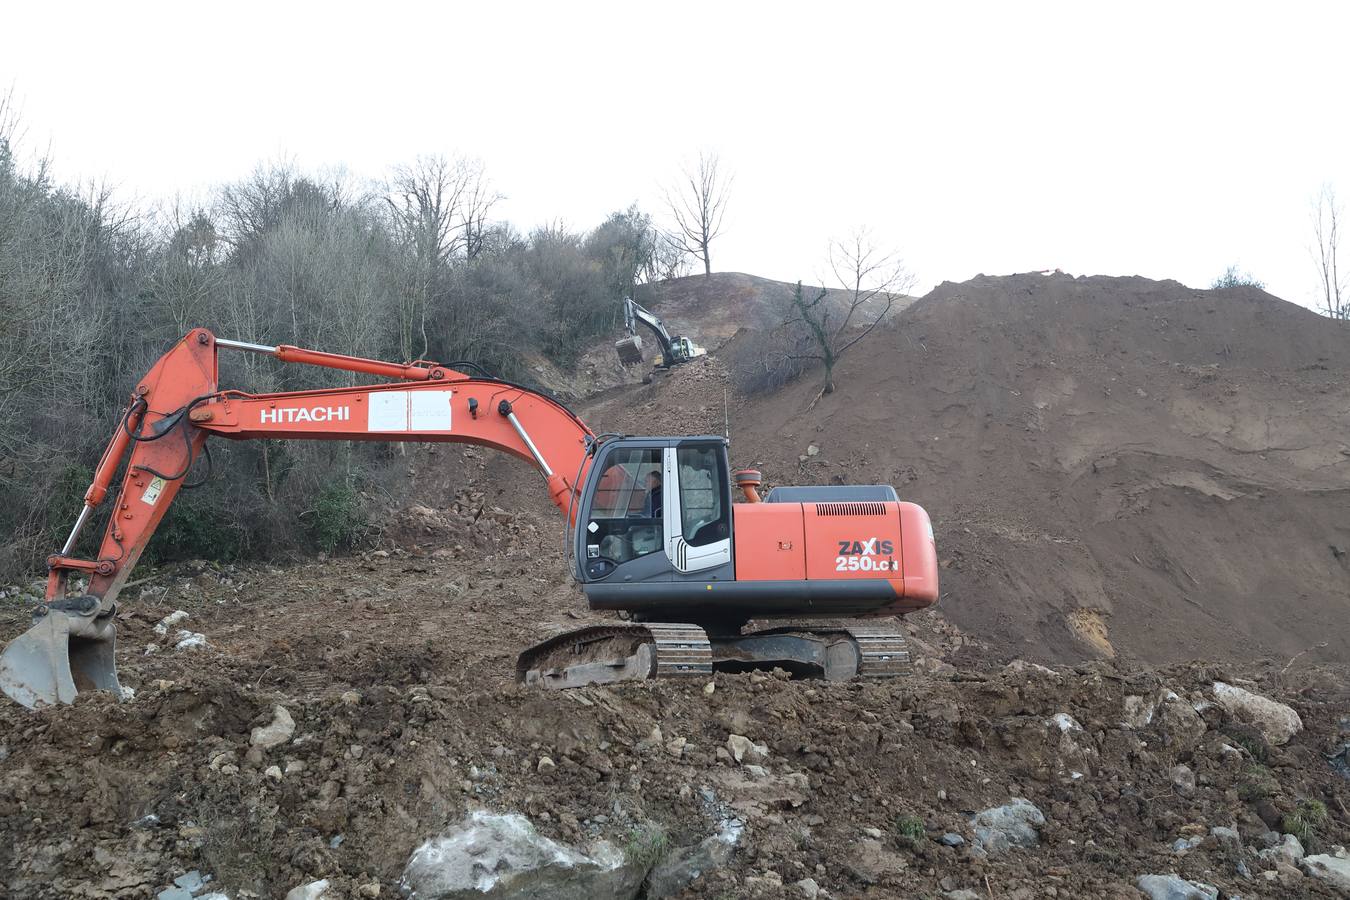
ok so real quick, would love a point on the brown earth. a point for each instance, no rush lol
(398, 673)
(1173, 463)
(1114, 466)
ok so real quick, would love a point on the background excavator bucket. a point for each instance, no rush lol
(629, 350)
(65, 652)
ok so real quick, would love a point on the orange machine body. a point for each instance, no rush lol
(840, 542)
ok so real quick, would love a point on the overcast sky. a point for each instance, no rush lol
(1167, 140)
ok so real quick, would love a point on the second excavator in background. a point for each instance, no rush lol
(654, 531)
(675, 349)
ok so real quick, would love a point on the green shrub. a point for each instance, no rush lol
(647, 845)
(910, 828)
(196, 528)
(337, 521)
(1234, 277)
(64, 500)
(1306, 821)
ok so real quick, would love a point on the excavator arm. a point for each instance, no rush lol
(178, 405)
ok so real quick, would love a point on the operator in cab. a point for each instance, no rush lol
(651, 506)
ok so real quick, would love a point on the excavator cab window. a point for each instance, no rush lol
(704, 495)
(625, 527)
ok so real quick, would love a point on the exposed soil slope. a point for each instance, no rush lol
(1171, 464)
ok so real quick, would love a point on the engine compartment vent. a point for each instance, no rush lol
(850, 509)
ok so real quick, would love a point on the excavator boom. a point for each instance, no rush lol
(178, 404)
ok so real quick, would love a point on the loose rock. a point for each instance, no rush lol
(491, 857)
(315, 890)
(1277, 722)
(1332, 869)
(1174, 887)
(1001, 828)
(745, 750)
(685, 865)
(808, 888)
(1290, 849)
(275, 734)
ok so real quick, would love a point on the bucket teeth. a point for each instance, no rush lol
(67, 650)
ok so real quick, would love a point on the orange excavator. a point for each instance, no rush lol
(653, 529)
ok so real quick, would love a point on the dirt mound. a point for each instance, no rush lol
(1105, 460)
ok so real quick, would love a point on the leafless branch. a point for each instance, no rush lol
(698, 206)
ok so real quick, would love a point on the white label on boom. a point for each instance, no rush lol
(409, 411)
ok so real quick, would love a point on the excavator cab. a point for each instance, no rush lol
(625, 543)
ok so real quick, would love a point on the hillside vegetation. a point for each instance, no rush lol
(91, 293)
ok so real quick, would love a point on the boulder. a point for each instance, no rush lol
(872, 862)
(501, 857)
(1001, 828)
(1174, 887)
(1183, 779)
(1332, 869)
(277, 732)
(1181, 726)
(1276, 721)
(808, 888)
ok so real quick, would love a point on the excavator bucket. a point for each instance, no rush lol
(69, 649)
(629, 350)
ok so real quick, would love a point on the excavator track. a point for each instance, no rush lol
(603, 654)
(607, 653)
(882, 650)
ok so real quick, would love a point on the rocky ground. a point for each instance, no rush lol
(342, 714)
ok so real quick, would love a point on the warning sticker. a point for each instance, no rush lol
(153, 491)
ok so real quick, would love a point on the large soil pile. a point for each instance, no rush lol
(1104, 459)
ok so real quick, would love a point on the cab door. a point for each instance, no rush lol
(698, 508)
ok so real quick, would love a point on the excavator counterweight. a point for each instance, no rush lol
(654, 531)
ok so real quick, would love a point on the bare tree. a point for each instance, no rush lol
(698, 205)
(1326, 232)
(439, 209)
(823, 327)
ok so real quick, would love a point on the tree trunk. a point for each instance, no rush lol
(707, 262)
